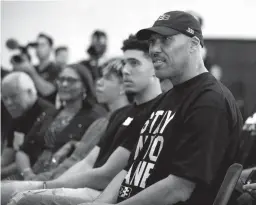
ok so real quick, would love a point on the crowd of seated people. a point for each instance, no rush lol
(133, 129)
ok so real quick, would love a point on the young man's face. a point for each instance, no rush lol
(137, 72)
(169, 55)
(109, 87)
(43, 50)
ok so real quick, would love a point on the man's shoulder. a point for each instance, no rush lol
(216, 95)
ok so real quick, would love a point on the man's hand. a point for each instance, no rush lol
(24, 66)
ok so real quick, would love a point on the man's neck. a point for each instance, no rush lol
(118, 103)
(43, 64)
(189, 73)
(151, 92)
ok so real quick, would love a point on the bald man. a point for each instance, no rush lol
(19, 96)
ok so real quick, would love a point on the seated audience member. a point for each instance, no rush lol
(110, 91)
(96, 51)
(112, 153)
(61, 56)
(44, 74)
(190, 136)
(249, 137)
(21, 109)
(80, 110)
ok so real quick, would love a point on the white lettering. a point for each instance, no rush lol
(158, 113)
(167, 120)
(143, 129)
(146, 174)
(138, 173)
(157, 140)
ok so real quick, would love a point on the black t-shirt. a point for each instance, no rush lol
(122, 124)
(49, 73)
(193, 133)
(23, 124)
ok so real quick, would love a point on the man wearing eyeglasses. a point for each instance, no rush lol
(19, 96)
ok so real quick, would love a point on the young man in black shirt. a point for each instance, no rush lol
(191, 137)
(115, 148)
(20, 99)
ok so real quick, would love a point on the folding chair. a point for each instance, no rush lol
(228, 184)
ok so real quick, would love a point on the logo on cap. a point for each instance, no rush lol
(164, 17)
(190, 30)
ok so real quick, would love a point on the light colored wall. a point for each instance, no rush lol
(71, 22)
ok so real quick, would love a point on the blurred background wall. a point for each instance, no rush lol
(228, 26)
(71, 22)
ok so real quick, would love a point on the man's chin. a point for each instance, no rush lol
(130, 91)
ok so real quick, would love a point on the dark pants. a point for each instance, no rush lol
(49, 200)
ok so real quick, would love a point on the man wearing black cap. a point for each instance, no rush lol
(192, 137)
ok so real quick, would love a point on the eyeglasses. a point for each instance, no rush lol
(69, 80)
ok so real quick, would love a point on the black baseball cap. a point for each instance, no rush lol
(172, 23)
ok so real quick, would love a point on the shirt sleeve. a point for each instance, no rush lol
(202, 145)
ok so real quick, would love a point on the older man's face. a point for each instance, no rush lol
(16, 100)
(169, 54)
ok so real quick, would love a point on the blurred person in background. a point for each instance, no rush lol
(80, 110)
(109, 91)
(61, 56)
(96, 52)
(45, 73)
(75, 88)
(245, 192)
(139, 79)
(23, 108)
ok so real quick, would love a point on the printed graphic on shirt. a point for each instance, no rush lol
(147, 151)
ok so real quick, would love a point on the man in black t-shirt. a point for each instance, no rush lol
(192, 135)
(140, 81)
(20, 99)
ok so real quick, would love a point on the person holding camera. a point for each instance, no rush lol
(45, 73)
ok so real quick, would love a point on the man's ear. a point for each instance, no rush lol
(194, 43)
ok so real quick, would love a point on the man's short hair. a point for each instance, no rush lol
(132, 43)
(47, 37)
(60, 48)
(99, 33)
(19, 80)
